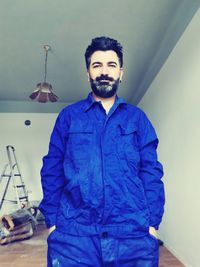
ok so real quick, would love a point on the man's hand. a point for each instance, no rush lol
(51, 229)
(153, 231)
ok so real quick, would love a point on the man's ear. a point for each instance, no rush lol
(121, 74)
(88, 76)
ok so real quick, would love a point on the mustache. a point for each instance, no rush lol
(104, 78)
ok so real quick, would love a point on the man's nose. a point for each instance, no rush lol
(104, 70)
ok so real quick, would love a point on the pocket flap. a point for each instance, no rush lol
(128, 128)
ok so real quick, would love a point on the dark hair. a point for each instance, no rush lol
(103, 44)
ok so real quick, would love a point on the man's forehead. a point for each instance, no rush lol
(104, 56)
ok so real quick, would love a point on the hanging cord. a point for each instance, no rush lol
(45, 67)
(46, 48)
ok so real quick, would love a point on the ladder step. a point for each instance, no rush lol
(14, 201)
(5, 175)
(23, 198)
(9, 200)
(19, 186)
(17, 174)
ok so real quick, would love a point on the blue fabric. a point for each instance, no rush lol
(101, 172)
(97, 251)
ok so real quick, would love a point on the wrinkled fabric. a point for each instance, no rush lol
(101, 173)
(97, 251)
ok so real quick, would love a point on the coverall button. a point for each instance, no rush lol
(104, 234)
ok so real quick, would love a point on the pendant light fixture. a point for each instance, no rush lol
(44, 92)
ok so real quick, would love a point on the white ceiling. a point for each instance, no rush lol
(147, 29)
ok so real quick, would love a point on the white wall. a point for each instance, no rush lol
(31, 144)
(173, 104)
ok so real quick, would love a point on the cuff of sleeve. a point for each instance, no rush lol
(50, 220)
(155, 226)
(49, 223)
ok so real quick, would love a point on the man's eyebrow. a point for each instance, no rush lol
(96, 62)
(112, 62)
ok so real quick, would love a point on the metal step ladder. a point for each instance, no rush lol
(12, 173)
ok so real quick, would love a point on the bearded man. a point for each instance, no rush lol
(103, 194)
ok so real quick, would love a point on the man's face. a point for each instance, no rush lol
(104, 73)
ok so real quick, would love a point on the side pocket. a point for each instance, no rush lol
(49, 237)
(152, 241)
(152, 236)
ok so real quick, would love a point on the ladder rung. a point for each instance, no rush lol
(23, 197)
(14, 201)
(9, 200)
(17, 174)
(19, 186)
(5, 175)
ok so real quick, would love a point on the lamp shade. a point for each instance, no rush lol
(44, 93)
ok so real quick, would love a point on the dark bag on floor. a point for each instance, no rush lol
(18, 225)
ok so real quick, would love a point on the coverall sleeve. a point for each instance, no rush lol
(52, 173)
(151, 171)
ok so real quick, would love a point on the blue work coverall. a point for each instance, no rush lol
(102, 187)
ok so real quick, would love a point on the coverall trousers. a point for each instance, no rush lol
(66, 250)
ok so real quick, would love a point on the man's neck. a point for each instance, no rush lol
(107, 103)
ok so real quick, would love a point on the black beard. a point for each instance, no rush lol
(104, 89)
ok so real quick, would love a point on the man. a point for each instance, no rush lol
(103, 194)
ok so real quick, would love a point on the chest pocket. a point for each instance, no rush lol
(128, 142)
(80, 140)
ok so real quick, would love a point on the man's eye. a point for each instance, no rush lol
(96, 66)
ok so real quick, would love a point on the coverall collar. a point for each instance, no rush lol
(90, 101)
